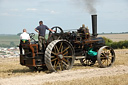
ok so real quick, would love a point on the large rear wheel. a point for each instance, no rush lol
(59, 55)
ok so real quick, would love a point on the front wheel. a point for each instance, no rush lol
(106, 56)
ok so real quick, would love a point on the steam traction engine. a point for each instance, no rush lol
(63, 48)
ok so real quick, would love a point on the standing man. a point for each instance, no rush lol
(41, 29)
(24, 38)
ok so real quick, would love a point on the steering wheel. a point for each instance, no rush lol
(57, 29)
(55, 35)
(32, 36)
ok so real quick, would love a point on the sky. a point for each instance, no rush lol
(15, 15)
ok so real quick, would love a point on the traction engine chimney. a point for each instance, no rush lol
(94, 25)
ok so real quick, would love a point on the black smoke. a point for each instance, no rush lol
(88, 5)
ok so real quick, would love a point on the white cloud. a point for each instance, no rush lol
(31, 9)
(51, 11)
(8, 14)
(14, 9)
(5, 14)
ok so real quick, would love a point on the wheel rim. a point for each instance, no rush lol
(106, 56)
(59, 55)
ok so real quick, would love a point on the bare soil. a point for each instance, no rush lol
(64, 76)
(12, 73)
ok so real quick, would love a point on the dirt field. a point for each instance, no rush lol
(115, 37)
(12, 73)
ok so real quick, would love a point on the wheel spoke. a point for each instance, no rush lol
(56, 64)
(65, 64)
(66, 49)
(57, 49)
(54, 53)
(83, 60)
(54, 59)
(103, 61)
(67, 56)
(107, 62)
(52, 56)
(102, 57)
(60, 66)
(62, 49)
(65, 53)
(109, 52)
(103, 54)
(87, 62)
(60, 46)
(105, 50)
(110, 56)
(65, 60)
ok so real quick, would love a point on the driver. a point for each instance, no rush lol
(41, 29)
(24, 39)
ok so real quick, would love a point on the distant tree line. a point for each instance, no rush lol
(116, 45)
(19, 34)
(12, 44)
